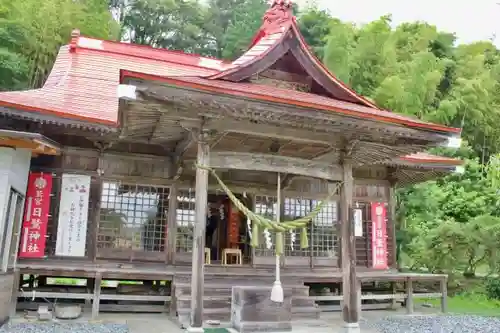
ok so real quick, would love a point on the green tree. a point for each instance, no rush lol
(314, 25)
(171, 24)
(32, 32)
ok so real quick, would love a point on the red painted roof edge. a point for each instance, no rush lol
(182, 82)
(432, 159)
(325, 70)
(144, 52)
(63, 115)
(232, 70)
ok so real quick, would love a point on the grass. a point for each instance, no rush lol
(471, 304)
(469, 299)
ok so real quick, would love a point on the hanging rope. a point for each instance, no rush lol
(259, 221)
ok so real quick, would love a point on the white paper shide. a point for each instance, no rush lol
(358, 223)
(73, 216)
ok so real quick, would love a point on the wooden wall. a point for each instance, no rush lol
(153, 170)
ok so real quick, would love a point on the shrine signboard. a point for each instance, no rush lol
(36, 216)
(73, 216)
(379, 235)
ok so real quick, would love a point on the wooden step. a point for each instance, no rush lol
(209, 302)
(306, 312)
(181, 289)
(221, 314)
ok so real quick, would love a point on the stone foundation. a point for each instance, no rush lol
(253, 311)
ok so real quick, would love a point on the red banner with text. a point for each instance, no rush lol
(379, 235)
(36, 216)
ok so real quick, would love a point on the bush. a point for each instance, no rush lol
(492, 287)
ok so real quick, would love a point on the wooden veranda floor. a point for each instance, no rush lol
(159, 271)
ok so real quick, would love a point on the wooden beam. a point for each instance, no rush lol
(197, 267)
(275, 163)
(180, 149)
(270, 131)
(350, 290)
(172, 224)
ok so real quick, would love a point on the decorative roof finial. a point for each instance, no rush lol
(75, 34)
(287, 3)
(278, 17)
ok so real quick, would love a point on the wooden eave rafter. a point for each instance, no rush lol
(344, 110)
(37, 143)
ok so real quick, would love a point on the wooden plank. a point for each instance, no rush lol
(350, 289)
(136, 298)
(201, 196)
(141, 308)
(90, 296)
(275, 163)
(172, 224)
(15, 291)
(58, 295)
(270, 131)
(396, 296)
(96, 192)
(96, 297)
(409, 296)
(444, 295)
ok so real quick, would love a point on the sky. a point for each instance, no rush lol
(470, 20)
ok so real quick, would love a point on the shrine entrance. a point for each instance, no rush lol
(227, 234)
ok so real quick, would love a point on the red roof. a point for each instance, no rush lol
(83, 83)
(280, 95)
(426, 158)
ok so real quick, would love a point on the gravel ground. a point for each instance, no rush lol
(64, 328)
(437, 324)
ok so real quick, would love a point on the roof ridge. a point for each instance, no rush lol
(79, 41)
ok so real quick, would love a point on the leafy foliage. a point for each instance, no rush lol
(31, 33)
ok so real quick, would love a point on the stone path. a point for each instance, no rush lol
(158, 323)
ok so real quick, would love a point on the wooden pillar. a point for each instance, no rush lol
(350, 308)
(15, 291)
(95, 195)
(197, 268)
(409, 296)
(444, 294)
(392, 221)
(172, 224)
(97, 296)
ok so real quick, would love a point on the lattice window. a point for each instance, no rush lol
(322, 232)
(185, 220)
(294, 209)
(265, 206)
(324, 241)
(133, 217)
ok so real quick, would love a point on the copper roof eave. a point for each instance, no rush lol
(38, 143)
(50, 117)
(31, 136)
(257, 64)
(206, 85)
(291, 40)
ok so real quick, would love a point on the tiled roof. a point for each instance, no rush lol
(83, 83)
